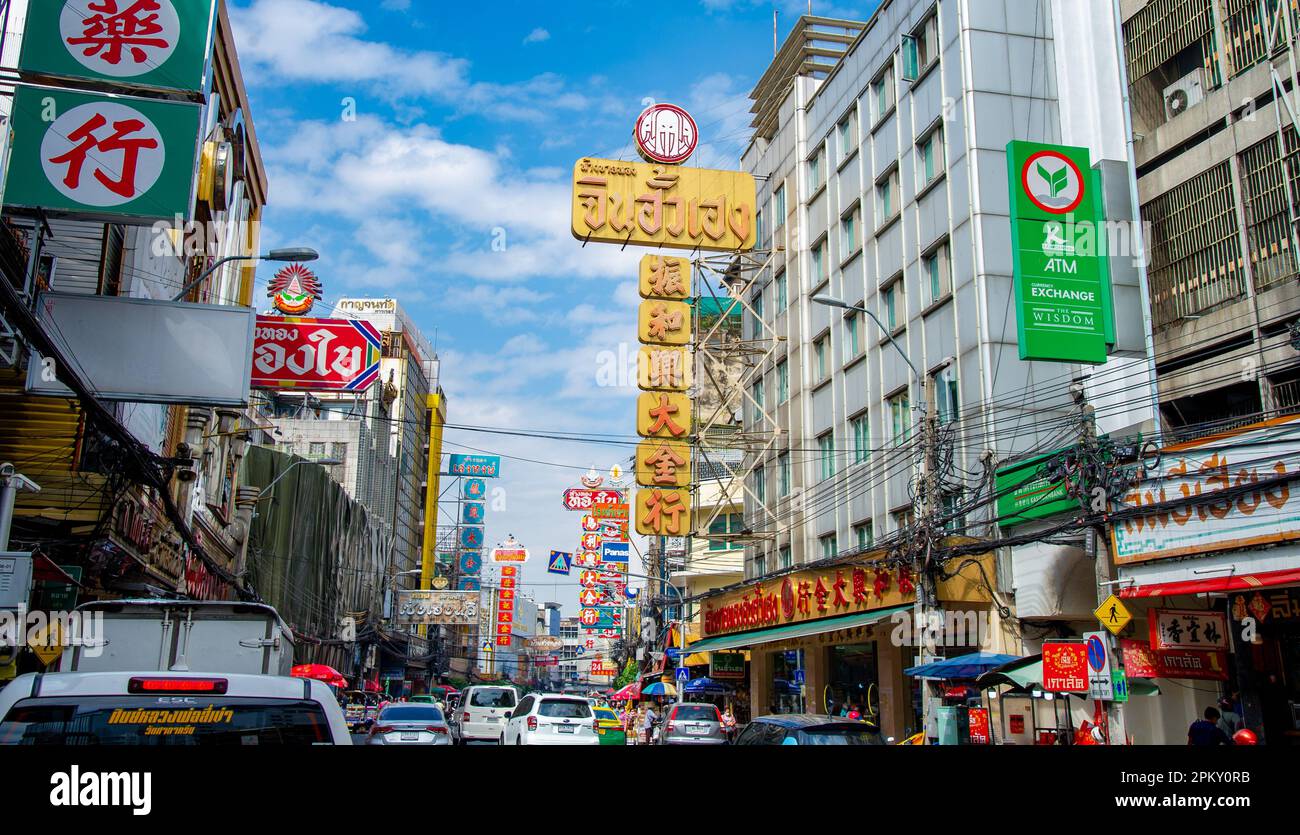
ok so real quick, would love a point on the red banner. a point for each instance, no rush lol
(579, 499)
(317, 354)
(1140, 661)
(1065, 668)
(979, 726)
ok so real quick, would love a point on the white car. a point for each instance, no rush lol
(483, 713)
(551, 719)
(169, 708)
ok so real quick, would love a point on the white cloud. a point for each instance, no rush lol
(538, 35)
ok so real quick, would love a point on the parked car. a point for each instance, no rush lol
(410, 724)
(691, 723)
(551, 719)
(483, 713)
(809, 729)
(608, 726)
(169, 708)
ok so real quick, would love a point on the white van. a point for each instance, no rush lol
(483, 712)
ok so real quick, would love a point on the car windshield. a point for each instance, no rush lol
(606, 713)
(154, 720)
(839, 736)
(497, 697)
(706, 713)
(410, 713)
(564, 709)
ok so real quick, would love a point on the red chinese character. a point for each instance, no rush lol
(822, 593)
(805, 595)
(840, 585)
(859, 586)
(108, 33)
(905, 581)
(882, 582)
(87, 141)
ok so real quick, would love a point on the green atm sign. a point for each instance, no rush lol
(1058, 237)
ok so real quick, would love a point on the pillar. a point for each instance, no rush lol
(760, 680)
(895, 693)
(816, 676)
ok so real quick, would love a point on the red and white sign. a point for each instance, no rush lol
(509, 570)
(1065, 668)
(580, 499)
(591, 542)
(588, 617)
(1140, 661)
(316, 354)
(510, 555)
(979, 726)
(666, 133)
(589, 597)
(589, 578)
(1194, 629)
(590, 524)
(587, 559)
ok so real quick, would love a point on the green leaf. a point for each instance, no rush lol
(1045, 174)
(1060, 180)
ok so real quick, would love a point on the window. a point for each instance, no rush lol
(760, 231)
(760, 565)
(757, 304)
(890, 304)
(882, 92)
(817, 170)
(787, 559)
(861, 428)
(819, 358)
(818, 263)
(936, 274)
(829, 547)
(826, 455)
(339, 451)
(852, 344)
(782, 381)
(782, 297)
(944, 383)
(921, 49)
(903, 519)
(847, 130)
(862, 536)
(287, 448)
(726, 523)
(317, 449)
(778, 208)
(851, 232)
(783, 474)
(954, 520)
(900, 416)
(929, 157)
(887, 196)
(757, 393)
(760, 485)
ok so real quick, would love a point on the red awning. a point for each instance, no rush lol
(1231, 582)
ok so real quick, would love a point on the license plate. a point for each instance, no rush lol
(410, 736)
(567, 729)
(492, 720)
(697, 730)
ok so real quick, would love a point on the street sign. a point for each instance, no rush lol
(561, 562)
(1100, 685)
(682, 674)
(1065, 667)
(484, 466)
(1112, 615)
(1119, 684)
(15, 579)
(315, 354)
(798, 677)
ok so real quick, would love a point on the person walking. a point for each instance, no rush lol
(1229, 720)
(648, 723)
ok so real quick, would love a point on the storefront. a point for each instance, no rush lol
(823, 639)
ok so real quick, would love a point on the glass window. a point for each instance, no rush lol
(317, 449)
(887, 196)
(947, 405)
(889, 300)
(848, 133)
(826, 455)
(757, 304)
(954, 520)
(861, 426)
(757, 392)
(564, 709)
(817, 170)
(927, 42)
(782, 298)
(339, 451)
(937, 276)
(696, 713)
(819, 359)
(829, 547)
(760, 484)
(903, 519)
(760, 228)
(410, 713)
(778, 208)
(787, 560)
(852, 345)
(492, 697)
(900, 414)
(851, 231)
(783, 474)
(882, 92)
(929, 157)
(760, 565)
(862, 536)
(818, 263)
(782, 381)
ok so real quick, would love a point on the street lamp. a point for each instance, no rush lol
(297, 254)
(831, 301)
(324, 462)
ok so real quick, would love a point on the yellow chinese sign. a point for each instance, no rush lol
(664, 323)
(663, 464)
(663, 512)
(663, 415)
(1113, 615)
(663, 205)
(664, 277)
(663, 369)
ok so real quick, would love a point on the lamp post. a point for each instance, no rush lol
(298, 254)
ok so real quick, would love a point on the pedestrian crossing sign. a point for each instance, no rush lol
(1112, 615)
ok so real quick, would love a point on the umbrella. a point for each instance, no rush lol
(628, 693)
(321, 672)
(706, 686)
(971, 665)
(658, 688)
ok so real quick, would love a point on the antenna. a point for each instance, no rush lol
(775, 14)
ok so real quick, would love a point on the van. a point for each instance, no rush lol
(483, 712)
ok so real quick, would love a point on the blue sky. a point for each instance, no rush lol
(468, 120)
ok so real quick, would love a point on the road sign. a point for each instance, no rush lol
(1119, 682)
(1112, 615)
(46, 643)
(682, 673)
(798, 677)
(1100, 685)
(561, 562)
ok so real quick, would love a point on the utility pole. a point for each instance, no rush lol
(923, 561)
(11, 482)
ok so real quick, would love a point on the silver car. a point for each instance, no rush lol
(693, 724)
(409, 724)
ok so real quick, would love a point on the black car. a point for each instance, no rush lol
(809, 729)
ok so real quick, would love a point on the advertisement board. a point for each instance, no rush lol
(482, 466)
(446, 608)
(727, 665)
(315, 354)
(1065, 667)
(1025, 493)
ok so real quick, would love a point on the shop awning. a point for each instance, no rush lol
(971, 665)
(794, 630)
(1027, 673)
(1230, 582)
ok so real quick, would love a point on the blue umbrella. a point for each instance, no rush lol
(971, 665)
(706, 686)
(658, 688)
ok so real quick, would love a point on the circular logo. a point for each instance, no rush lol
(294, 290)
(787, 599)
(439, 583)
(666, 133)
(103, 154)
(1052, 182)
(120, 40)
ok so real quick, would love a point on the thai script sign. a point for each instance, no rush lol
(1065, 668)
(1140, 661)
(581, 499)
(448, 608)
(316, 354)
(663, 206)
(1235, 492)
(484, 466)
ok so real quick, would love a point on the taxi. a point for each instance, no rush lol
(608, 726)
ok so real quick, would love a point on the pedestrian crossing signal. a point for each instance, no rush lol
(1112, 615)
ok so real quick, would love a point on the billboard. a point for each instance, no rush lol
(447, 608)
(153, 352)
(315, 354)
(483, 466)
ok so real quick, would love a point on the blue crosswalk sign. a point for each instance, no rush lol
(560, 563)
(683, 674)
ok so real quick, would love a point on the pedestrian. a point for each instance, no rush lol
(648, 723)
(1206, 731)
(728, 721)
(1229, 720)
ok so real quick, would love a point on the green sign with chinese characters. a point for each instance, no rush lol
(1058, 239)
(121, 158)
(1025, 493)
(156, 44)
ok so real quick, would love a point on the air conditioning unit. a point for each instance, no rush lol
(1184, 93)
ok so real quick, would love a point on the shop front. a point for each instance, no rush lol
(831, 640)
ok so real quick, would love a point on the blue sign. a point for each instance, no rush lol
(469, 584)
(672, 653)
(471, 562)
(471, 538)
(798, 676)
(475, 488)
(484, 466)
(1096, 654)
(609, 617)
(471, 513)
(578, 650)
(683, 673)
(560, 563)
(615, 552)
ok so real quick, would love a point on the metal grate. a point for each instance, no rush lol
(1247, 31)
(1268, 229)
(1196, 260)
(1286, 396)
(1161, 30)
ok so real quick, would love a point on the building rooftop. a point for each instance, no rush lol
(814, 48)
